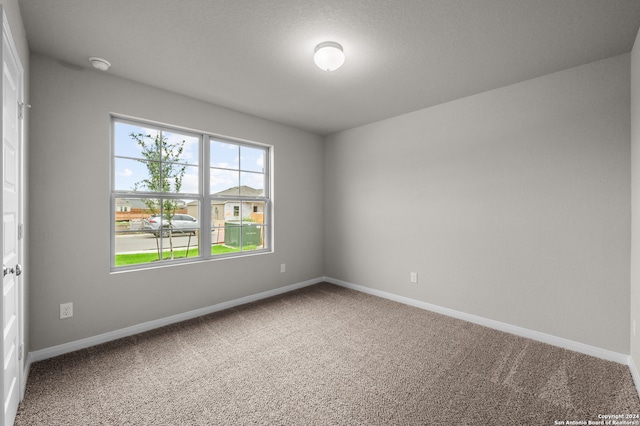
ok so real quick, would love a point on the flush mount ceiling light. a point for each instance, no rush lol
(329, 56)
(99, 63)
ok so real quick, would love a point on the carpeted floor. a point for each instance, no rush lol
(325, 355)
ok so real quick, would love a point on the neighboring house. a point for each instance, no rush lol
(229, 210)
(225, 212)
(129, 209)
(127, 204)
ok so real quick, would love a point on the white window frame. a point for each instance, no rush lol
(203, 197)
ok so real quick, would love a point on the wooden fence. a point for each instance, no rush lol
(139, 214)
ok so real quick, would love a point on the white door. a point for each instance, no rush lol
(11, 201)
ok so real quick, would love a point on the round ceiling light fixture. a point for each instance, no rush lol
(99, 63)
(329, 56)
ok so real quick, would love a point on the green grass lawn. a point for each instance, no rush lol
(140, 258)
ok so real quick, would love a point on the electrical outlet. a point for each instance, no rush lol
(413, 277)
(283, 267)
(66, 310)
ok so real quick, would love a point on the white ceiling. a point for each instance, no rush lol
(403, 55)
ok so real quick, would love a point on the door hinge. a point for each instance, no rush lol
(21, 231)
(20, 351)
(21, 106)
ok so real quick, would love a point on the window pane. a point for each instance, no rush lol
(132, 175)
(144, 235)
(217, 213)
(252, 237)
(237, 226)
(253, 229)
(148, 144)
(126, 144)
(227, 239)
(134, 244)
(152, 176)
(232, 235)
(254, 212)
(180, 234)
(252, 159)
(224, 182)
(237, 211)
(182, 148)
(225, 155)
(252, 184)
(183, 178)
(130, 212)
(169, 177)
(224, 233)
(179, 245)
(225, 222)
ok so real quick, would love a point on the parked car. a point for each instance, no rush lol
(180, 223)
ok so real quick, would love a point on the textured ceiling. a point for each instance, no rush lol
(401, 56)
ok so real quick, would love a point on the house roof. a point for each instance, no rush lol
(134, 203)
(244, 190)
(137, 203)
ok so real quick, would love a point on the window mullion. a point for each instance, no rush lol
(205, 205)
(160, 163)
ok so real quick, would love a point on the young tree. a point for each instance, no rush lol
(165, 175)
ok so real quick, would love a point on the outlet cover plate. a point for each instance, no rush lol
(66, 310)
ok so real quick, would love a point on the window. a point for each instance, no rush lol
(168, 205)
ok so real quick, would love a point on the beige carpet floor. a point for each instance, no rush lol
(325, 355)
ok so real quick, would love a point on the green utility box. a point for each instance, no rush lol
(251, 234)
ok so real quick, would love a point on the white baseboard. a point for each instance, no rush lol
(25, 376)
(64, 348)
(53, 351)
(497, 325)
(634, 374)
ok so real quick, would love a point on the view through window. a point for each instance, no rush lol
(168, 203)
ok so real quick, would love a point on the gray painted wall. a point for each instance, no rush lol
(635, 200)
(512, 204)
(69, 232)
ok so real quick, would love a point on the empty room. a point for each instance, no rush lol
(321, 212)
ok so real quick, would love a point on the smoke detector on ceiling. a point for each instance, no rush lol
(99, 63)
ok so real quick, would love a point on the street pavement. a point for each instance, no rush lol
(132, 243)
